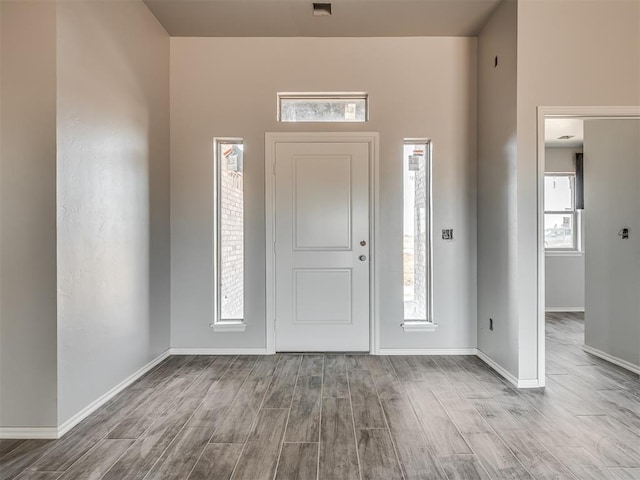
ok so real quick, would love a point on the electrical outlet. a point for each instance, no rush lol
(491, 324)
(447, 234)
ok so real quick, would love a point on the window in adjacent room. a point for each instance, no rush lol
(229, 234)
(561, 219)
(416, 171)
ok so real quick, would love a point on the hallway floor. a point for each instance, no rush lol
(349, 417)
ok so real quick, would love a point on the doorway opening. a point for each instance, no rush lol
(588, 182)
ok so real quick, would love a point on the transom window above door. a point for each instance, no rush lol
(323, 107)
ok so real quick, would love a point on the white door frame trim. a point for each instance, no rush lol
(271, 140)
(543, 112)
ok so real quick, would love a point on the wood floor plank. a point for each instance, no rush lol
(97, 461)
(143, 454)
(335, 383)
(462, 380)
(406, 368)
(177, 462)
(213, 372)
(298, 461)
(367, 410)
(219, 396)
(416, 454)
(6, 445)
(463, 467)
(280, 392)
(436, 424)
(496, 415)
(377, 456)
(304, 419)
(581, 463)
(496, 458)
(260, 455)
(217, 462)
(558, 433)
(21, 457)
(39, 476)
(338, 456)
(388, 385)
(534, 456)
(610, 441)
(244, 362)
(145, 414)
(67, 451)
(265, 366)
(238, 418)
(311, 365)
(463, 414)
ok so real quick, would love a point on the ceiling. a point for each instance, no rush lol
(294, 18)
(558, 127)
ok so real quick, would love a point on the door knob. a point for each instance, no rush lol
(362, 258)
(363, 243)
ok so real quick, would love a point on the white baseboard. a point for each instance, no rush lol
(93, 406)
(218, 351)
(27, 433)
(534, 383)
(563, 309)
(428, 351)
(54, 433)
(610, 358)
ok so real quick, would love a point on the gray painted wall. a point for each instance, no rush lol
(564, 273)
(28, 215)
(419, 87)
(612, 201)
(497, 165)
(113, 197)
(557, 42)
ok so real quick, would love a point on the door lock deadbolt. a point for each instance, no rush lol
(363, 243)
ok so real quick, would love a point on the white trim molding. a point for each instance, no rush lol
(57, 432)
(428, 351)
(411, 327)
(610, 358)
(533, 383)
(228, 327)
(271, 141)
(29, 433)
(218, 351)
(564, 309)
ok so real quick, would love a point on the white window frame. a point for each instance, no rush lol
(427, 325)
(576, 249)
(219, 324)
(324, 96)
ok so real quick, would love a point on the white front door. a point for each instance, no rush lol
(322, 246)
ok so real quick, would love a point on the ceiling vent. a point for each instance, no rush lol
(321, 9)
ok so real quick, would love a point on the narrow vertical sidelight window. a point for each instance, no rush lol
(416, 174)
(229, 234)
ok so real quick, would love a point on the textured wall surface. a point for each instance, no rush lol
(113, 196)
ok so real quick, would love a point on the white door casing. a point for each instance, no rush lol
(320, 194)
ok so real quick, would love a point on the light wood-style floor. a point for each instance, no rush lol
(349, 417)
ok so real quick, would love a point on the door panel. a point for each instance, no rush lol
(322, 202)
(322, 269)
